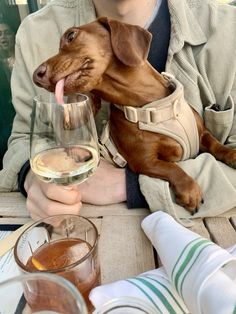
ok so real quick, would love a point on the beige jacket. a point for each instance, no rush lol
(201, 56)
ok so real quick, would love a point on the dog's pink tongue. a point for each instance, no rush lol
(59, 91)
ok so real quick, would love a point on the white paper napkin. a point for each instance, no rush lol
(197, 276)
(203, 273)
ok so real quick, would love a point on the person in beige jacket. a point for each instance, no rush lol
(198, 48)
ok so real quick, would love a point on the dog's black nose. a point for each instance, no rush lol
(39, 74)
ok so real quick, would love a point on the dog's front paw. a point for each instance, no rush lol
(188, 194)
(230, 158)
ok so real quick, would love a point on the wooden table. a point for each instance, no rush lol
(124, 249)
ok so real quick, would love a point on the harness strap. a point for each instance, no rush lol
(171, 116)
(108, 149)
(157, 111)
(150, 115)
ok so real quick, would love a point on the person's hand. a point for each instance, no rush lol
(44, 199)
(106, 186)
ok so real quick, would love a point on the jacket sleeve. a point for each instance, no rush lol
(31, 49)
(18, 144)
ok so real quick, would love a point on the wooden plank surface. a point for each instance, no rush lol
(14, 220)
(13, 205)
(221, 230)
(233, 221)
(200, 228)
(124, 248)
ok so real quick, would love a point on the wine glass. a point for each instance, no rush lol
(63, 139)
(40, 293)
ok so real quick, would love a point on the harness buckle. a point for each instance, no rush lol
(168, 76)
(152, 115)
(131, 114)
(119, 160)
(105, 134)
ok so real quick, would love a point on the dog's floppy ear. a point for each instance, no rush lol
(130, 43)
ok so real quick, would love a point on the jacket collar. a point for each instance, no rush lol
(86, 11)
(184, 24)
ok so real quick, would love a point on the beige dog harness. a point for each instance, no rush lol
(170, 116)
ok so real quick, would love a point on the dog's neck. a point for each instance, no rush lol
(148, 85)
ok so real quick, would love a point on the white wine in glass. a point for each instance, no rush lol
(63, 139)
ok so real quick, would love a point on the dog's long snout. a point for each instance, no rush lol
(39, 77)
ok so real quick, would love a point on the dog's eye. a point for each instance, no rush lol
(71, 36)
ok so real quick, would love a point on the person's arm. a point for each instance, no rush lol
(42, 199)
(111, 185)
(32, 47)
(18, 144)
(108, 185)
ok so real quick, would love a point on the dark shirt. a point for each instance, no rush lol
(160, 29)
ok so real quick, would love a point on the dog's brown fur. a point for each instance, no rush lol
(109, 58)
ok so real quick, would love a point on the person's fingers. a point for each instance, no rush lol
(45, 200)
(43, 207)
(35, 217)
(55, 208)
(35, 201)
(37, 214)
(65, 195)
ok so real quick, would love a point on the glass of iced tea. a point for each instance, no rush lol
(40, 293)
(66, 245)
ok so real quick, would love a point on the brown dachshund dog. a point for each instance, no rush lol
(109, 59)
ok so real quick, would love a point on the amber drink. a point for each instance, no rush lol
(65, 245)
(40, 293)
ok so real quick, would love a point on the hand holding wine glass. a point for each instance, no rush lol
(63, 143)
